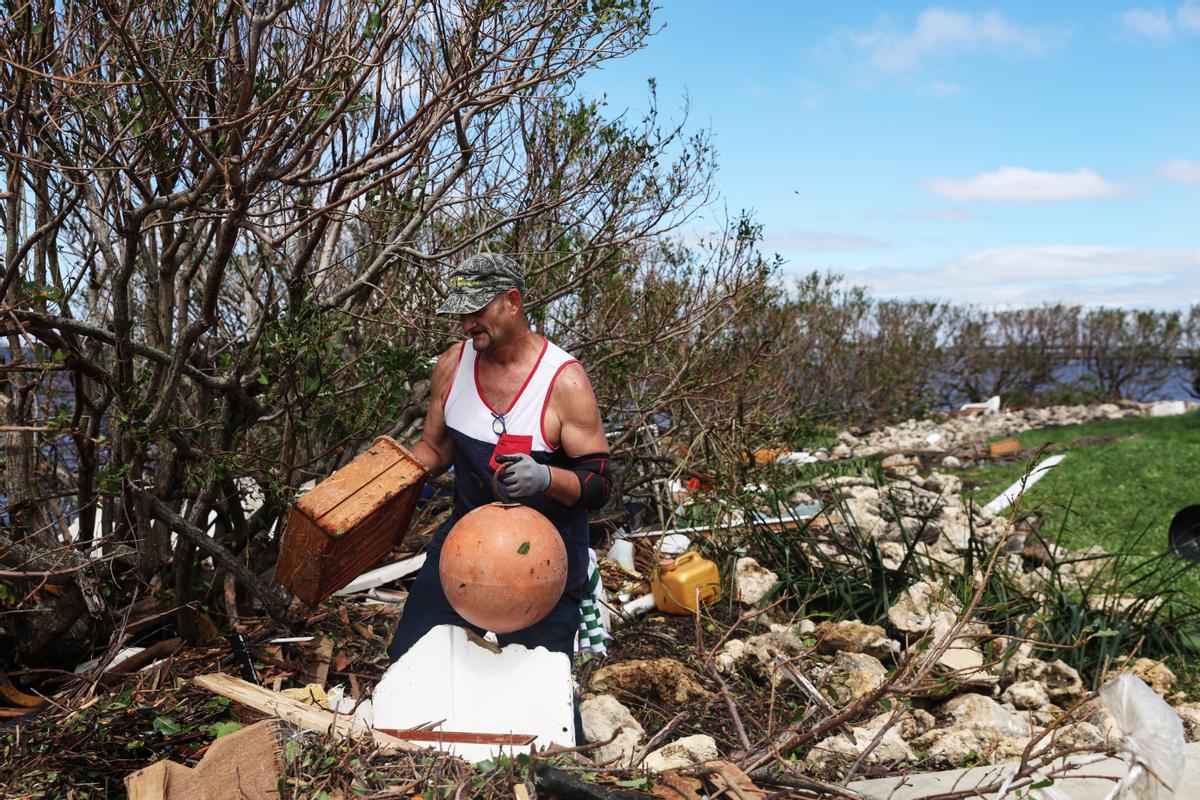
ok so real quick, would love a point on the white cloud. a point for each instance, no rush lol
(1147, 23)
(1028, 275)
(941, 32)
(947, 214)
(1181, 171)
(821, 241)
(1188, 16)
(1021, 185)
(941, 89)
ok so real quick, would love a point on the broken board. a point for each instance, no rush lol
(448, 679)
(297, 713)
(244, 765)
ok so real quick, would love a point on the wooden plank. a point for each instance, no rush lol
(369, 496)
(344, 483)
(299, 714)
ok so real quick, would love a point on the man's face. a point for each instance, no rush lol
(488, 324)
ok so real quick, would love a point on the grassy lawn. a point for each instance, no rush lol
(1119, 486)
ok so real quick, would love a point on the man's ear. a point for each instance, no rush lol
(514, 297)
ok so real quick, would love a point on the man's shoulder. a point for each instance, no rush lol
(557, 355)
(447, 362)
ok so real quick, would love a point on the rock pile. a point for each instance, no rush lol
(957, 437)
(980, 697)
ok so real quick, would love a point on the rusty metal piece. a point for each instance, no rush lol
(459, 737)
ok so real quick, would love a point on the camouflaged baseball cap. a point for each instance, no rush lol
(477, 280)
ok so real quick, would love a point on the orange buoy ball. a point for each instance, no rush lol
(503, 567)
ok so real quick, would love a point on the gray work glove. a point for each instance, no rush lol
(523, 476)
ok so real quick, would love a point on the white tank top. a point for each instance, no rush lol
(468, 413)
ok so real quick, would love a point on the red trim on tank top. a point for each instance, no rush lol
(457, 364)
(528, 378)
(546, 404)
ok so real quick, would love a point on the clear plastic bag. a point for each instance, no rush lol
(1153, 739)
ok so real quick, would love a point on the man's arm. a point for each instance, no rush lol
(581, 433)
(435, 450)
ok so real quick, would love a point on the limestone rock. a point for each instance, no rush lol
(603, 716)
(864, 514)
(1156, 675)
(731, 654)
(752, 581)
(961, 746)
(855, 637)
(763, 652)
(1029, 695)
(917, 608)
(962, 658)
(951, 462)
(843, 747)
(1061, 680)
(662, 678)
(853, 675)
(972, 709)
(979, 729)
(916, 722)
(682, 753)
(1189, 714)
(1080, 735)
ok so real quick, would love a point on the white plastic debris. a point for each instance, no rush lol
(1012, 493)
(621, 552)
(124, 653)
(674, 544)
(1168, 408)
(989, 406)
(796, 457)
(382, 575)
(343, 705)
(447, 677)
(638, 606)
(1153, 739)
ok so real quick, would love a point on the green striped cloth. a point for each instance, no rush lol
(593, 632)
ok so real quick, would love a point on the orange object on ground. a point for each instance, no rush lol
(767, 455)
(503, 567)
(675, 583)
(349, 521)
(1004, 447)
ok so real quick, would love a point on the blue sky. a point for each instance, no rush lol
(1005, 155)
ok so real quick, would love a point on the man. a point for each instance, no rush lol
(507, 397)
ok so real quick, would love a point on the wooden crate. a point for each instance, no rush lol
(349, 521)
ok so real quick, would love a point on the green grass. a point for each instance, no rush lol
(1120, 493)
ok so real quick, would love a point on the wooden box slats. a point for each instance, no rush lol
(349, 521)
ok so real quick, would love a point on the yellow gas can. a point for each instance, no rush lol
(676, 581)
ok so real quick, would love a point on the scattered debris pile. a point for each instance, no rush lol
(755, 696)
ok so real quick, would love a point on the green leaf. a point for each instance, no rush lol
(167, 726)
(635, 783)
(524, 548)
(219, 729)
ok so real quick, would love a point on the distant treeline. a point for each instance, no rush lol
(853, 357)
